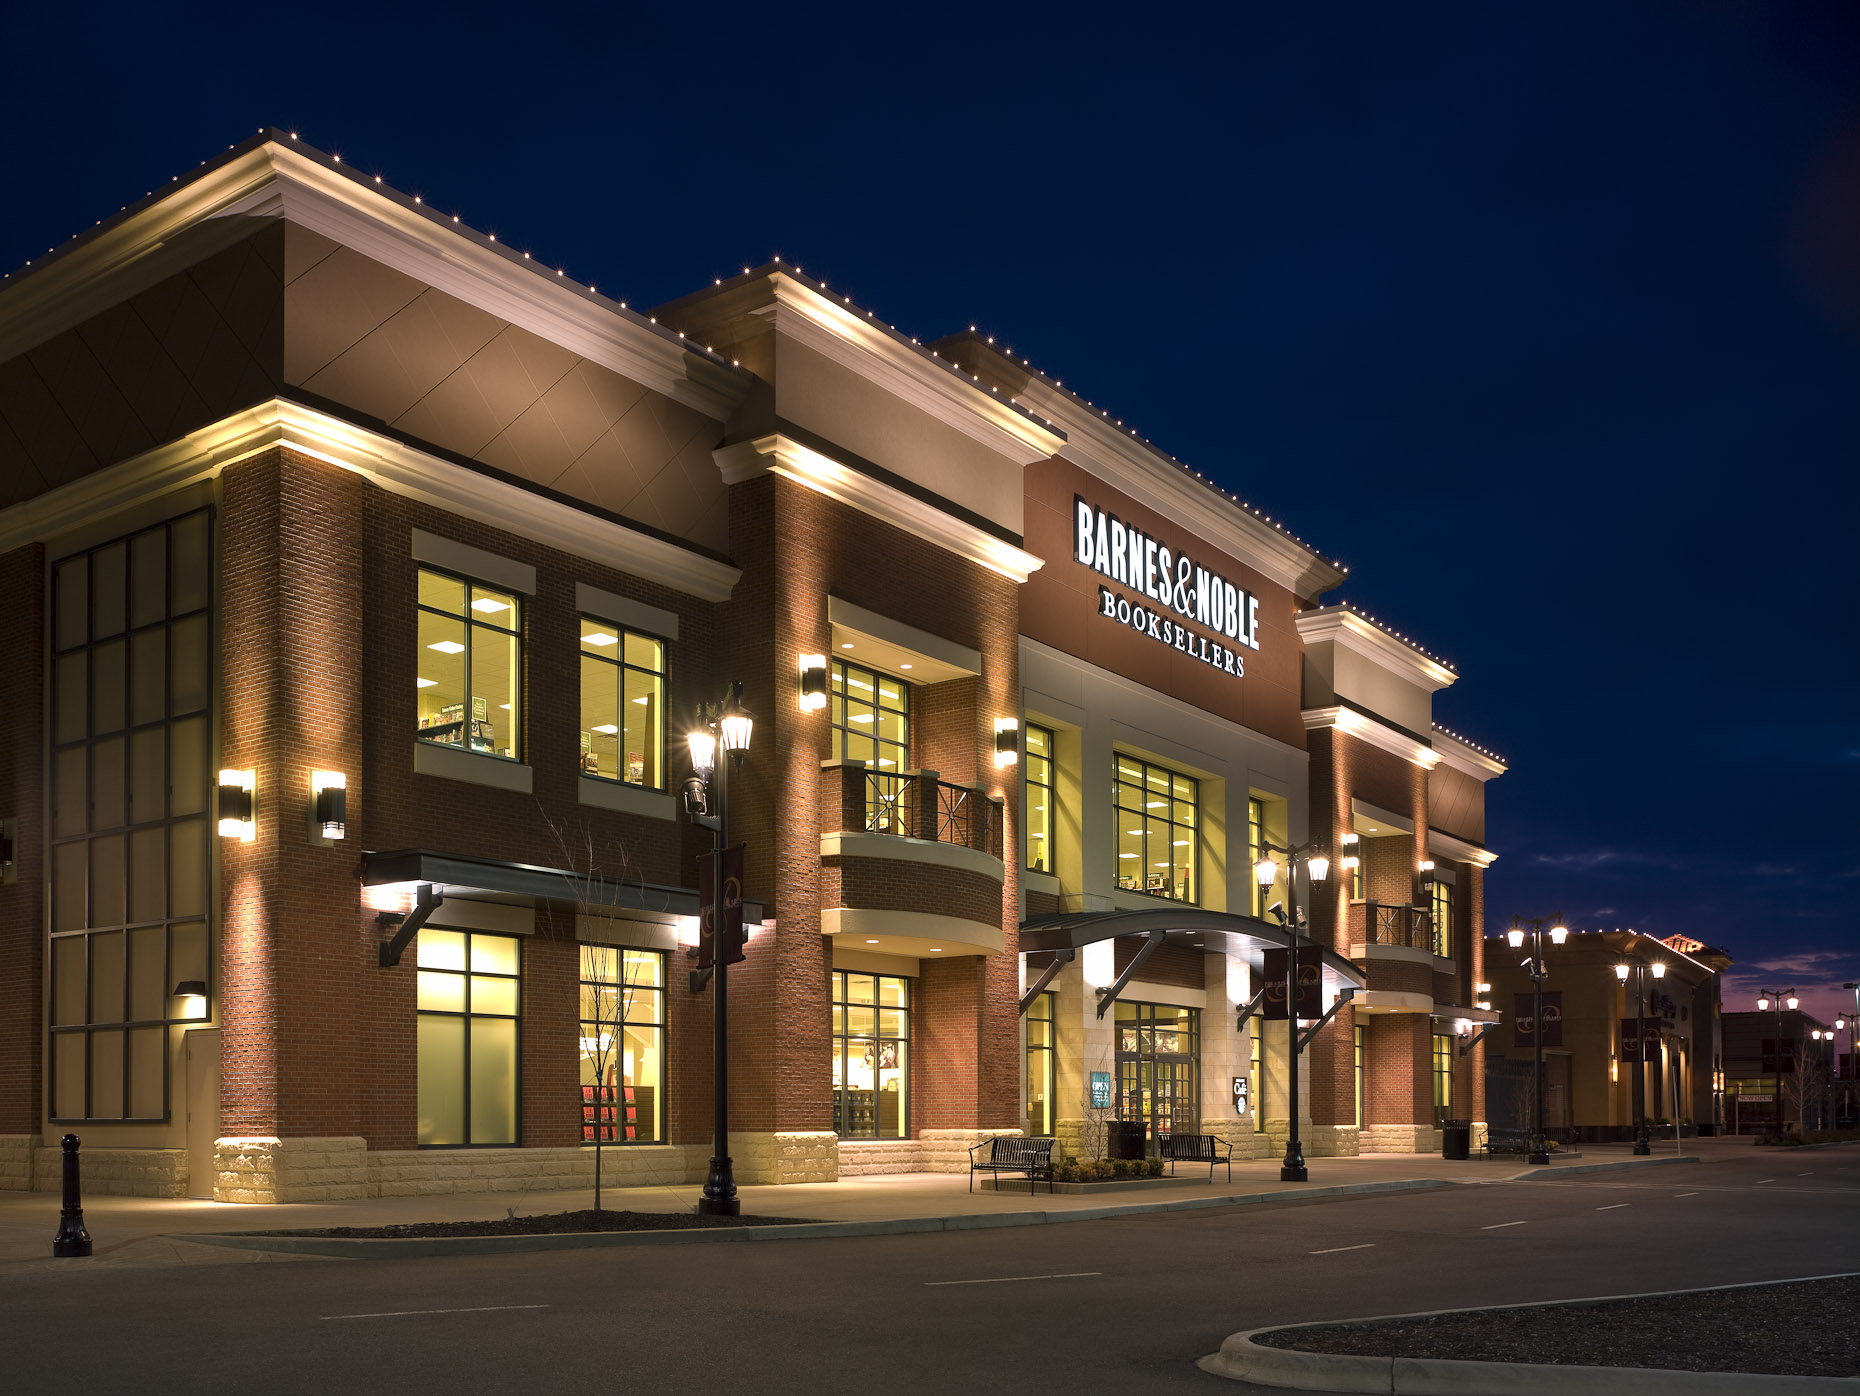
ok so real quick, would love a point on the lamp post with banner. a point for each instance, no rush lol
(1266, 871)
(1533, 928)
(1778, 997)
(720, 913)
(1640, 970)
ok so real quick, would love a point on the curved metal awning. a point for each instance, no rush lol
(1239, 937)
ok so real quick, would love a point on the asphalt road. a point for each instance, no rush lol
(1115, 1306)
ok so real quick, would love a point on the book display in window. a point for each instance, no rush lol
(608, 1114)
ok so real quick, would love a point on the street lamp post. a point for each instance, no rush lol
(1853, 1026)
(1779, 997)
(1540, 1146)
(729, 725)
(1265, 871)
(1827, 1062)
(1640, 968)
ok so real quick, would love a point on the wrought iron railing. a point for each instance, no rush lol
(1385, 924)
(916, 804)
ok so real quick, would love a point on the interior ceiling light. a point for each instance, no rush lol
(447, 647)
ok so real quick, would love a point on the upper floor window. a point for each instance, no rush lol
(1441, 907)
(1039, 805)
(1158, 822)
(1255, 842)
(468, 665)
(871, 717)
(622, 704)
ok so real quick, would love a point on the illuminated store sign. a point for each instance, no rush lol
(1177, 585)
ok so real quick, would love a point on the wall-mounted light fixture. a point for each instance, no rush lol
(1007, 741)
(190, 1000)
(9, 850)
(813, 682)
(1349, 859)
(1427, 871)
(329, 806)
(236, 820)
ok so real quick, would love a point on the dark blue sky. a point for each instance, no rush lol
(1546, 321)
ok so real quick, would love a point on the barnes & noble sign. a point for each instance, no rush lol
(1178, 588)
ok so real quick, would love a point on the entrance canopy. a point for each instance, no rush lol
(1238, 937)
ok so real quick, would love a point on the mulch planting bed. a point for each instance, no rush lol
(1801, 1329)
(547, 1224)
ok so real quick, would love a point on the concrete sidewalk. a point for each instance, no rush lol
(154, 1232)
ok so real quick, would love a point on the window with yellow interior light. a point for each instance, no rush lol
(1158, 830)
(622, 1045)
(622, 704)
(468, 665)
(1040, 805)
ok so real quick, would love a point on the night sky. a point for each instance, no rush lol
(1546, 320)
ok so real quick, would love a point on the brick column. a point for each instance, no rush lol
(22, 801)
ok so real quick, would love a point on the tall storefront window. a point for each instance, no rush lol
(622, 1045)
(1443, 1079)
(871, 1055)
(1159, 1067)
(468, 665)
(1158, 830)
(1254, 1082)
(622, 705)
(1255, 841)
(131, 690)
(1441, 907)
(468, 996)
(871, 717)
(1039, 804)
(1040, 1065)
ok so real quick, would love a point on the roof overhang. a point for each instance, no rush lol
(1238, 937)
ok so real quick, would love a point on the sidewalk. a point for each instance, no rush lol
(139, 1232)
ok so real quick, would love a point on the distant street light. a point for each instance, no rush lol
(1765, 998)
(1639, 968)
(1540, 1146)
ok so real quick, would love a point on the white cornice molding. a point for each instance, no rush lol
(1129, 466)
(1464, 757)
(272, 181)
(1350, 630)
(867, 349)
(781, 455)
(1459, 850)
(1375, 733)
(394, 466)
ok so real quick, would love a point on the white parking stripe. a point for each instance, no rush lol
(1366, 1246)
(1613, 1205)
(1013, 1279)
(1495, 1226)
(1685, 1194)
(416, 1313)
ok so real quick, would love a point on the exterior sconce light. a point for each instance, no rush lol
(1349, 859)
(1007, 741)
(1427, 871)
(813, 682)
(190, 1000)
(236, 805)
(9, 850)
(329, 805)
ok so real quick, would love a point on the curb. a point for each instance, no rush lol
(1553, 1171)
(1242, 1359)
(425, 1247)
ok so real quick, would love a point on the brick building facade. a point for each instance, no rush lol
(307, 485)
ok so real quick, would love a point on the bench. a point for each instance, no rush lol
(1518, 1141)
(1030, 1158)
(1198, 1148)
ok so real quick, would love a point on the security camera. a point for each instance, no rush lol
(1277, 909)
(694, 796)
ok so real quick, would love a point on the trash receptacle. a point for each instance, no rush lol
(1456, 1139)
(1124, 1139)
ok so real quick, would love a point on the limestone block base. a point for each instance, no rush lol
(947, 1150)
(16, 1152)
(1240, 1137)
(425, 1172)
(785, 1156)
(265, 1168)
(115, 1172)
(863, 1158)
(1400, 1139)
(1330, 1141)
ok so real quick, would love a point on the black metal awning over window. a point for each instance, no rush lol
(518, 884)
(1240, 937)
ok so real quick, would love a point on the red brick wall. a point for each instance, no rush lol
(1398, 1086)
(887, 884)
(22, 799)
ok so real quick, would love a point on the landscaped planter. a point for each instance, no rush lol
(1103, 1185)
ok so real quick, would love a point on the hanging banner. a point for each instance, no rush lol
(1310, 983)
(1524, 1020)
(732, 927)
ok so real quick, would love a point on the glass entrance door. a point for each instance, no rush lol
(1159, 1067)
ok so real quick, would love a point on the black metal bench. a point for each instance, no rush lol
(1518, 1141)
(1030, 1158)
(1198, 1148)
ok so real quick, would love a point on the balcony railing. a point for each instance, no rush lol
(1410, 926)
(918, 805)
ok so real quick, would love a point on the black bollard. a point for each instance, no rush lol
(72, 1238)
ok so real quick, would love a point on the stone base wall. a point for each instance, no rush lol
(268, 1169)
(800, 1156)
(423, 1172)
(1330, 1141)
(1400, 1139)
(1240, 1137)
(862, 1158)
(115, 1172)
(1070, 1135)
(16, 1153)
(947, 1150)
